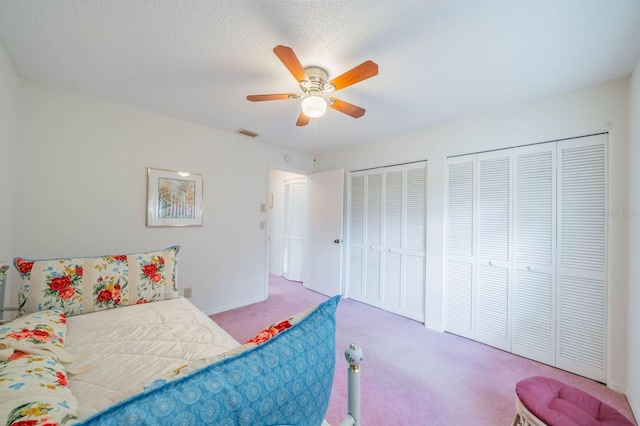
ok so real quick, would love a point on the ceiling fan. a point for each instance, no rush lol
(314, 84)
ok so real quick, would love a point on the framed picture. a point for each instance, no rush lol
(174, 198)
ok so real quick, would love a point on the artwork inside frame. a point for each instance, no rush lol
(174, 198)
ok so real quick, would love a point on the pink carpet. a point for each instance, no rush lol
(411, 375)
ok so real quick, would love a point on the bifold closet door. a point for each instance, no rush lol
(582, 260)
(460, 229)
(493, 253)
(414, 248)
(386, 259)
(356, 235)
(392, 250)
(373, 258)
(534, 283)
(478, 275)
(526, 260)
(365, 236)
(404, 240)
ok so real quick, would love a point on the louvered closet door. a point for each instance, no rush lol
(493, 254)
(373, 220)
(393, 247)
(386, 232)
(414, 232)
(365, 236)
(460, 213)
(404, 240)
(533, 325)
(582, 265)
(356, 235)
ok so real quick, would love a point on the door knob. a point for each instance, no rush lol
(337, 241)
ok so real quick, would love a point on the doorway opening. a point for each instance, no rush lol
(314, 242)
(286, 220)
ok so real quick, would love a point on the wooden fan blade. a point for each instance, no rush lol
(346, 107)
(290, 60)
(303, 120)
(355, 75)
(272, 97)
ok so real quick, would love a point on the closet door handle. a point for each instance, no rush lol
(491, 263)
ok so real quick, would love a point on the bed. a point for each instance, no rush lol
(108, 340)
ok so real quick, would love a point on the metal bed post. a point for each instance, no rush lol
(3, 287)
(353, 354)
(3, 280)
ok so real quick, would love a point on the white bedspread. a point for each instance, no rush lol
(131, 346)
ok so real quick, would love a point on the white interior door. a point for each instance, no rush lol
(286, 220)
(323, 272)
(294, 230)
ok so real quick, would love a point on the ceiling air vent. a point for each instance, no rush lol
(247, 133)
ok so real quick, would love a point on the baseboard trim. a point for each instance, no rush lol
(240, 304)
(633, 403)
(617, 387)
(434, 327)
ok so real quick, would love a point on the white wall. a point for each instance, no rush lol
(8, 143)
(81, 190)
(633, 389)
(594, 109)
(275, 218)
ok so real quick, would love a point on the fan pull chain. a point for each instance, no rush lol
(315, 130)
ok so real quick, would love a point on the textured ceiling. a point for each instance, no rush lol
(197, 60)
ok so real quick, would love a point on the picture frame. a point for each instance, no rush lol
(174, 198)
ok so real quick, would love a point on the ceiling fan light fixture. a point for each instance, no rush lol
(314, 106)
(314, 83)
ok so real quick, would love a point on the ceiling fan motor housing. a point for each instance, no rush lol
(317, 82)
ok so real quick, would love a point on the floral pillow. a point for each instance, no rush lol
(88, 284)
(34, 333)
(33, 391)
(273, 329)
